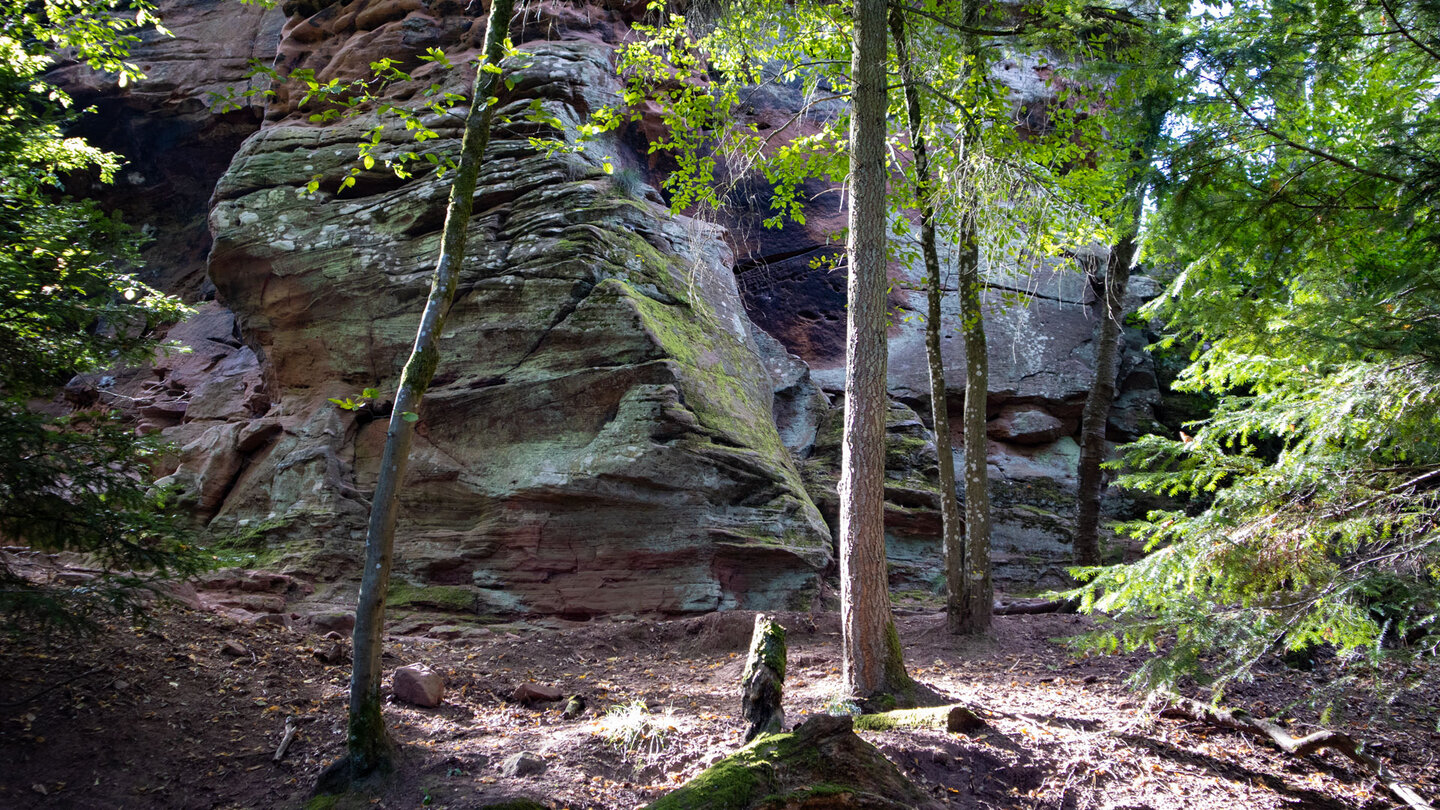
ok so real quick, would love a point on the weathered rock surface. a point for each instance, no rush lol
(600, 435)
(525, 763)
(609, 431)
(418, 684)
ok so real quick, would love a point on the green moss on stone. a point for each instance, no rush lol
(455, 598)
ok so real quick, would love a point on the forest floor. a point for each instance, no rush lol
(165, 716)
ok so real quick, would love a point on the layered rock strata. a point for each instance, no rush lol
(599, 437)
(609, 431)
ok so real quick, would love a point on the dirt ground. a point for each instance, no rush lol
(165, 716)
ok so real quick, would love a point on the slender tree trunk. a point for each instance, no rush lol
(1102, 396)
(979, 591)
(1153, 109)
(952, 530)
(873, 664)
(368, 745)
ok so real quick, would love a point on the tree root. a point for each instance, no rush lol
(1240, 720)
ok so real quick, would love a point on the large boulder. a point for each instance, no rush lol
(600, 435)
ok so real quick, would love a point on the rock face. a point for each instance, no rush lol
(609, 430)
(600, 435)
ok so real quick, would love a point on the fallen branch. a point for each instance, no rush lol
(954, 719)
(1240, 720)
(292, 727)
(1033, 606)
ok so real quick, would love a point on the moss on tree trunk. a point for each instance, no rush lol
(762, 686)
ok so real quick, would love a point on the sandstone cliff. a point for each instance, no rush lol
(634, 412)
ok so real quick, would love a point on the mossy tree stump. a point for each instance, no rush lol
(821, 764)
(762, 686)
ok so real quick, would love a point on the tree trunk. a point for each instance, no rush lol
(368, 746)
(873, 664)
(1096, 416)
(979, 591)
(952, 530)
(1101, 397)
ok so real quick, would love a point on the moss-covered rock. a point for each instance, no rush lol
(453, 598)
(599, 436)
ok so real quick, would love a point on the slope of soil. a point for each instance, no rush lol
(164, 716)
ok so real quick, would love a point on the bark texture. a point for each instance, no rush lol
(979, 590)
(872, 660)
(1107, 341)
(1099, 400)
(368, 746)
(762, 686)
(955, 718)
(951, 527)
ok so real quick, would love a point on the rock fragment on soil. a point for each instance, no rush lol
(333, 652)
(532, 693)
(524, 763)
(234, 649)
(419, 685)
(334, 622)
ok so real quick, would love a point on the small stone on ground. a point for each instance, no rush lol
(524, 763)
(419, 685)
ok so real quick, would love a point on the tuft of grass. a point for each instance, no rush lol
(839, 704)
(631, 728)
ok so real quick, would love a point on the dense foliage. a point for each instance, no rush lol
(1298, 212)
(1032, 187)
(79, 482)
